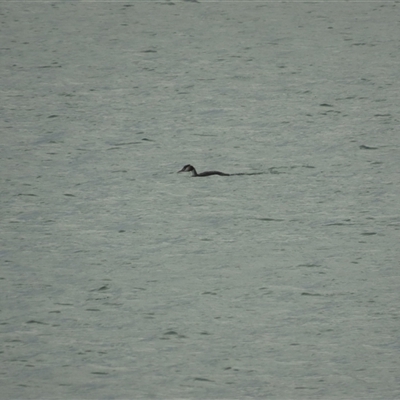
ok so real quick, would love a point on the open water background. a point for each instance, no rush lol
(122, 279)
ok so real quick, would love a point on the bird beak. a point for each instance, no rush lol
(182, 170)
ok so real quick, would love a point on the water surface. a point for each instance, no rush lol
(121, 278)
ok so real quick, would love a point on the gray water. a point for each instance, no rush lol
(121, 278)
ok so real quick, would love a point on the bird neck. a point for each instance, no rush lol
(194, 172)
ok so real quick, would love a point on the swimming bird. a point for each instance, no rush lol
(190, 168)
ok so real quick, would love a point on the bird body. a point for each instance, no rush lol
(190, 168)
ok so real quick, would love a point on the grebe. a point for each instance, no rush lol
(190, 168)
